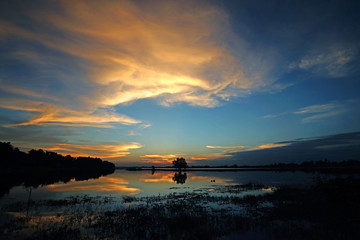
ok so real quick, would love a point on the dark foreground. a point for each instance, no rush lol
(327, 210)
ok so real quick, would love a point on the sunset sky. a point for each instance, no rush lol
(216, 82)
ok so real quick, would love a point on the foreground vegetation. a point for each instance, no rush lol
(327, 210)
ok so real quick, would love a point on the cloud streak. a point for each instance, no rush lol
(227, 149)
(334, 61)
(321, 112)
(334, 147)
(99, 150)
(158, 158)
(54, 114)
(269, 145)
(324, 111)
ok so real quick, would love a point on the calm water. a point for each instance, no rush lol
(144, 183)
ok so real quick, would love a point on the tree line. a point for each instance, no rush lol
(39, 167)
(346, 166)
(12, 157)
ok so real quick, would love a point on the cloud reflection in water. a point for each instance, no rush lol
(103, 184)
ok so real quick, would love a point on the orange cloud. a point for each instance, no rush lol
(27, 92)
(100, 151)
(158, 159)
(134, 54)
(227, 149)
(54, 114)
(271, 145)
(198, 158)
(212, 156)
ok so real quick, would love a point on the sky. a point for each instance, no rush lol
(217, 82)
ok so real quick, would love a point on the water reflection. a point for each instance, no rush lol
(148, 183)
(38, 177)
(102, 184)
(180, 177)
(227, 209)
(156, 177)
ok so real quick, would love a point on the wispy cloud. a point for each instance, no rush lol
(54, 114)
(269, 145)
(212, 156)
(144, 125)
(227, 151)
(227, 148)
(316, 108)
(231, 149)
(158, 158)
(132, 133)
(97, 150)
(269, 116)
(323, 111)
(324, 115)
(33, 137)
(333, 61)
(319, 112)
(198, 158)
(18, 90)
(334, 147)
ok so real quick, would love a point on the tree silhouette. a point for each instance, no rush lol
(180, 163)
(39, 167)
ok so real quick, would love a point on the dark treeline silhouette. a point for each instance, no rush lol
(39, 167)
(319, 164)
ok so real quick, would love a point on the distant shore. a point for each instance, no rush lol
(246, 169)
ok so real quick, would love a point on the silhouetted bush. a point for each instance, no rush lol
(180, 163)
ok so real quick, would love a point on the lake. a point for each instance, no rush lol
(188, 205)
(145, 183)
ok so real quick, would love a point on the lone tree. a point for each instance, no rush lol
(180, 163)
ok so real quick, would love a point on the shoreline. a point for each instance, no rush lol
(244, 169)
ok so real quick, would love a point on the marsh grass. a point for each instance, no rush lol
(328, 210)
